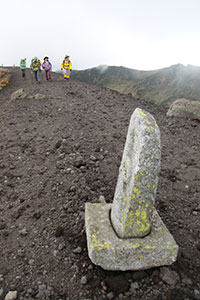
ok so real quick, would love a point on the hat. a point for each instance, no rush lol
(66, 56)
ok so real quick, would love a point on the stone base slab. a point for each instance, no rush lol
(110, 252)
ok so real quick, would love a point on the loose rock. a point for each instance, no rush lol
(169, 276)
(84, 280)
(12, 295)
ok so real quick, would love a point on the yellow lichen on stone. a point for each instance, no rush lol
(148, 123)
(95, 243)
(148, 186)
(142, 201)
(123, 217)
(133, 196)
(147, 247)
(142, 113)
(139, 175)
(137, 245)
(148, 128)
(141, 256)
(126, 199)
(143, 215)
(129, 220)
(137, 213)
(136, 191)
(142, 226)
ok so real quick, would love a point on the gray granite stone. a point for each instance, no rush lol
(129, 234)
(110, 252)
(138, 177)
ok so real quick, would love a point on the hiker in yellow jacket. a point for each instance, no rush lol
(66, 67)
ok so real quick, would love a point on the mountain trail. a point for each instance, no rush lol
(62, 151)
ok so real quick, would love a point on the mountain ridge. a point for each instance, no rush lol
(162, 86)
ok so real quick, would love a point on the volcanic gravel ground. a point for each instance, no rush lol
(65, 150)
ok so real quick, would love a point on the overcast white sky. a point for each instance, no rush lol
(139, 34)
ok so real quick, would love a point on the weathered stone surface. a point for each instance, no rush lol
(138, 176)
(185, 108)
(39, 97)
(129, 234)
(169, 276)
(12, 295)
(19, 94)
(110, 252)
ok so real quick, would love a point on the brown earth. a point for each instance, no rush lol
(60, 152)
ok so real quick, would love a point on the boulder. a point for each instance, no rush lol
(19, 94)
(184, 108)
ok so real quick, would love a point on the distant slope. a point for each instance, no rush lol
(160, 86)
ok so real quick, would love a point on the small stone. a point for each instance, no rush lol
(63, 214)
(23, 232)
(198, 246)
(61, 247)
(134, 285)
(110, 295)
(102, 199)
(90, 267)
(79, 162)
(187, 281)
(197, 294)
(139, 275)
(93, 158)
(31, 262)
(84, 280)
(156, 276)
(78, 250)
(168, 276)
(59, 231)
(156, 293)
(72, 188)
(101, 157)
(12, 295)
(1, 292)
(195, 213)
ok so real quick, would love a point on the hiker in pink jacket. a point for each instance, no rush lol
(47, 66)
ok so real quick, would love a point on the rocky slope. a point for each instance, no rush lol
(62, 151)
(160, 86)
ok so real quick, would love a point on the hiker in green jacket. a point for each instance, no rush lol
(36, 68)
(23, 67)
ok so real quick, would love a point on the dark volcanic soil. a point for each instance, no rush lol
(60, 152)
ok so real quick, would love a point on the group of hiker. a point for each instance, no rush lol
(36, 66)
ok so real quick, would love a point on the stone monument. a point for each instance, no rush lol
(129, 234)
